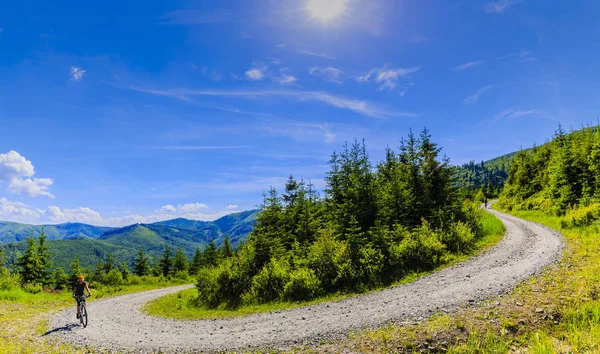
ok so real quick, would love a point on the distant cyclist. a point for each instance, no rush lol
(78, 290)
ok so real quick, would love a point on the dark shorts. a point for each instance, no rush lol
(79, 299)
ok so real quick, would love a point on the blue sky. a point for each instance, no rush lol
(120, 112)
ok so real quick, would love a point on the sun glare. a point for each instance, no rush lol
(326, 10)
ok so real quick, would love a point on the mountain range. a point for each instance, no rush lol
(92, 243)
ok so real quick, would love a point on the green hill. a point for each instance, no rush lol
(123, 243)
(14, 232)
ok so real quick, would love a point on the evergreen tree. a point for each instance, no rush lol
(197, 262)
(2, 258)
(108, 264)
(125, 272)
(226, 250)
(141, 265)
(45, 262)
(61, 279)
(180, 261)
(210, 254)
(76, 270)
(29, 264)
(166, 263)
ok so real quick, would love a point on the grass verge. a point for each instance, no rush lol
(24, 317)
(555, 312)
(182, 305)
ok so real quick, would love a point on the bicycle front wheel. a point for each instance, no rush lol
(84, 315)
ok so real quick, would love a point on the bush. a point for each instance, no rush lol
(7, 281)
(269, 283)
(371, 266)
(134, 280)
(32, 288)
(303, 285)
(582, 216)
(207, 287)
(322, 259)
(459, 238)
(420, 250)
(113, 278)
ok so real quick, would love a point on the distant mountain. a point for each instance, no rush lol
(14, 232)
(124, 242)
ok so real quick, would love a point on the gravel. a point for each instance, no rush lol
(117, 324)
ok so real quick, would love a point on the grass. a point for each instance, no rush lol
(182, 305)
(557, 311)
(24, 317)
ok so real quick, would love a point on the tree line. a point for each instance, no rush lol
(373, 226)
(34, 270)
(557, 176)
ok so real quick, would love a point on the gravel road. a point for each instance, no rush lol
(118, 324)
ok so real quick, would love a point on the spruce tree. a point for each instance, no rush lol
(226, 250)
(76, 270)
(125, 272)
(45, 262)
(108, 264)
(166, 263)
(29, 264)
(210, 254)
(197, 262)
(141, 265)
(180, 261)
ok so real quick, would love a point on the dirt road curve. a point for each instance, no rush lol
(118, 324)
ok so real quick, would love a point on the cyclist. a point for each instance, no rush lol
(78, 290)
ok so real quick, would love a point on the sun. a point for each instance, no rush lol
(326, 10)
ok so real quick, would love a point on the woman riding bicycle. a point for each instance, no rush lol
(78, 291)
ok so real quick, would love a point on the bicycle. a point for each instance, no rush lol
(83, 315)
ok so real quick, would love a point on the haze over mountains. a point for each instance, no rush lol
(92, 243)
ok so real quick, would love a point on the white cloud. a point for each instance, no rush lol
(231, 207)
(512, 113)
(330, 74)
(499, 6)
(31, 187)
(77, 73)
(387, 78)
(257, 72)
(19, 212)
(191, 207)
(358, 106)
(475, 97)
(14, 169)
(285, 79)
(468, 65)
(245, 35)
(167, 209)
(522, 56)
(81, 214)
(314, 54)
(195, 17)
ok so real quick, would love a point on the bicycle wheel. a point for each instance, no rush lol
(84, 316)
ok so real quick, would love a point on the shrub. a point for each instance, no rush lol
(371, 265)
(207, 287)
(322, 259)
(114, 277)
(32, 288)
(459, 238)
(582, 216)
(303, 285)
(420, 250)
(269, 283)
(7, 281)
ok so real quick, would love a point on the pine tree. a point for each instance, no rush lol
(125, 272)
(2, 258)
(75, 270)
(29, 264)
(61, 279)
(180, 261)
(166, 264)
(141, 265)
(197, 262)
(226, 250)
(210, 254)
(45, 262)
(108, 264)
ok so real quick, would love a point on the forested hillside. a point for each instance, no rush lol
(372, 227)
(124, 243)
(561, 177)
(488, 176)
(14, 232)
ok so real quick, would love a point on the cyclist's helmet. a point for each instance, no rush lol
(80, 277)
